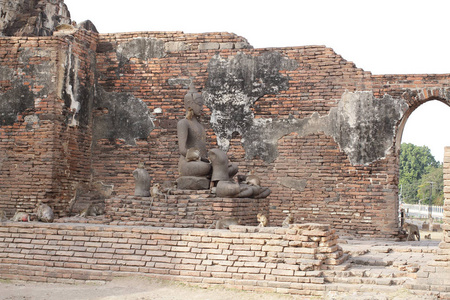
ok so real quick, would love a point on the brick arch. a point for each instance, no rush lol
(416, 98)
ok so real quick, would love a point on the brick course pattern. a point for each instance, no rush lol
(49, 158)
(185, 209)
(444, 251)
(257, 258)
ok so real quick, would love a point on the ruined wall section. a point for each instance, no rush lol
(444, 251)
(72, 160)
(32, 17)
(143, 77)
(29, 107)
(41, 153)
(320, 132)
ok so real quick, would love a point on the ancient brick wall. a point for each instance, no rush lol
(257, 258)
(296, 139)
(322, 134)
(444, 251)
(42, 155)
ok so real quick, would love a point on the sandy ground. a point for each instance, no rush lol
(137, 288)
(133, 288)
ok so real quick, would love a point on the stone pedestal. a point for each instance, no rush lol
(183, 209)
(192, 183)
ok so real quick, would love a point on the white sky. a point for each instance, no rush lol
(383, 37)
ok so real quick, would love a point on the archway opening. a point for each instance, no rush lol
(423, 138)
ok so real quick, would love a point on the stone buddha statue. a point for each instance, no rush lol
(194, 166)
(192, 135)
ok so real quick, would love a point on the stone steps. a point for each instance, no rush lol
(336, 291)
(352, 287)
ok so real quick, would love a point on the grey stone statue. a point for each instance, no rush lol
(224, 186)
(194, 166)
(142, 181)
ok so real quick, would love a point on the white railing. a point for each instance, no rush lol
(421, 211)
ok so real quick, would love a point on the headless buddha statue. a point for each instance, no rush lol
(227, 188)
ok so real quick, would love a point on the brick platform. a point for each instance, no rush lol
(243, 256)
(183, 209)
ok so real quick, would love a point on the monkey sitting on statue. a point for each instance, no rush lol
(412, 230)
(252, 179)
(193, 154)
(262, 219)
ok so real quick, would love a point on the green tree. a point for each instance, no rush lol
(435, 175)
(415, 162)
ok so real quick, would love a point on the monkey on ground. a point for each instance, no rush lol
(167, 187)
(3, 216)
(262, 219)
(21, 216)
(91, 211)
(155, 191)
(44, 213)
(225, 223)
(288, 221)
(412, 230)
(427, 236)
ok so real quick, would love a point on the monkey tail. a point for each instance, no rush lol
(212, 224)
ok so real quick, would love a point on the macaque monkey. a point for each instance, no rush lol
(288, 221)
(252, 179)
(156, 192)
(427, 236)
(193, 154)
(190, 113)
(241, 178)
(3, 216)
(64, 27)
(91, 211)
(412, 230)
(225, 223)
(262, 219)
(44, 213)
(21, 216)
(168, 187)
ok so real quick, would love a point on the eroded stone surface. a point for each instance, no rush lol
(362, 125)
(121, 116)
(32, 18)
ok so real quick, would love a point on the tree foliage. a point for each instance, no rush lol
(435, 175)
(418, 168)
